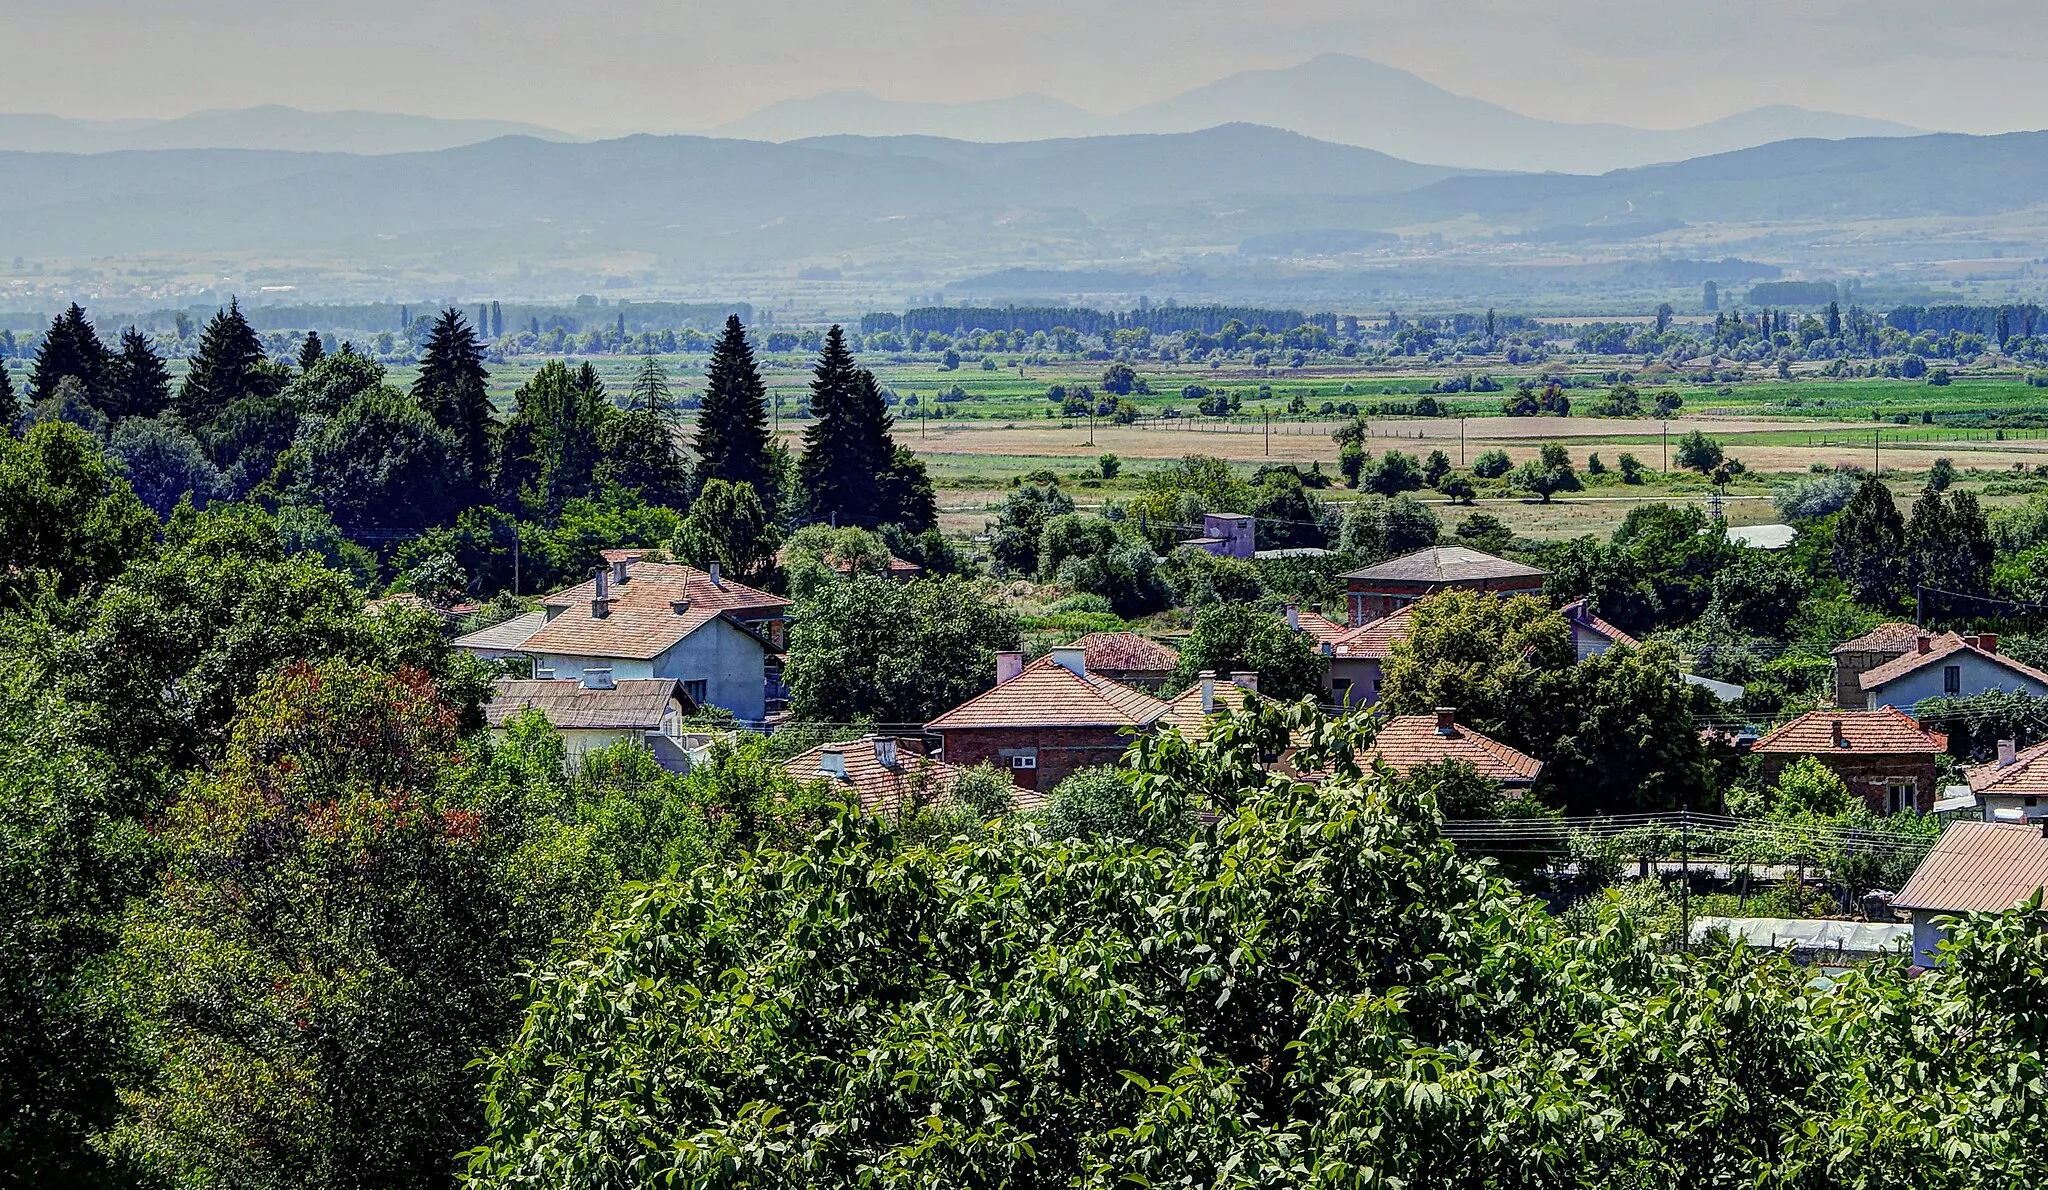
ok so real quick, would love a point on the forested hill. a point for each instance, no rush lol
(694, 200)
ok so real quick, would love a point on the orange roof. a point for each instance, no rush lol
(2026, 776)
(1886, 731)
(1127, 652)
(1185, 714)
(634, 704)
(1440, 565)
(1048, 694)
(644, 621)
(1411, 741)
(876, 786)
(1322, 628)
(1885, 638)
(1978, 867)
(1375, 641)
(661, 582)
(1942, 647)
(1581, 611)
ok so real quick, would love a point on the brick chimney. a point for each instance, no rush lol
(601, 600)
(1842, 741)
(1008, 666)
(1925, 643)
(1072, 658)
(1247, 678)
(1987, 641)
(1208, 692)
(1447, 721)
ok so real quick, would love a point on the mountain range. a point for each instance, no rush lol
(1335, 97)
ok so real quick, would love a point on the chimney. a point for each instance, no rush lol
(598, 679)
(716, 579)
(1072, 658)
(1842, 741)
(1246, 678)
(1208, 692)
(2008, 752)
(1987, 641)
(885, 751)
(1008, 666)
(832, 762)
(1926, 643)
(1294, 617)
(680, 607)
(601, 601)
(1447, 721)
(619, 575)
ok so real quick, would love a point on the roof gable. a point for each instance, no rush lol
(1048, 694)
(1375, 641)
(1941, 649)
(1978, 867)
(1580, 612)
(1128, 652)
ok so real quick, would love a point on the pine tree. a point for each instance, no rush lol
(1870, 540)
(732, 425)
(837, 470)
(454, 388)
(11, 411)
(311, 352)
(70, 349)
(139, 384)
(650, 389)
(229, 357)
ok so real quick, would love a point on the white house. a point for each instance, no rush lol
(2014, 787)
(1948, 666)
(1977, 867)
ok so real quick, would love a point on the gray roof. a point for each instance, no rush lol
(1978, 867)
(1445, 564)
(636, 704)
(1763, 537)
(506, 636)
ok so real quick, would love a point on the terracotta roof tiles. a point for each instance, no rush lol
(1375, 641)
(2026, 776)
(1411, 741)
(1322, 628)
(1128, 652)
(1885, 638)
(1978, 867)
(644, 619)
(1047, 694)
(1886, 731)
(1942, 647)
(1581, 611)
(1185, 714)
(1443, 565)
(636, 704)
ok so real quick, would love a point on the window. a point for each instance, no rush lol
(1341, 687)
(1902, 795)
(1023, 762)
(1951, 679)
(698, 690)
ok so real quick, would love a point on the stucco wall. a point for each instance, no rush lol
(728, 660)
(1979, 675)
(1364, 676)
(1927, 937)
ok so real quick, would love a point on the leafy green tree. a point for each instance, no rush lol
(1236, 638)
(908, 498)
(1458, 490)
(1547, 474)
(1948, 543)
(818, 554)
(1942, 474)
(69, 349)
(454, 389)
(1502, 663)
(1627, 738)
(1485, 532)
(1377, 527)
(1869, 545)
(1107, 465)
(732, 424)
(1289, 514)
(1019, 526)
(164, 463)
(228, 366)
(548, 453)
(1631, 469)
(728, 525)
(67, 518)
(249, 437)
(1492, 465)
(1105, 802)
(1436, 468)
(873, 649)
(1697, 452)
(1120, 380)
(1391, 474)
(637, 450)
(138, 383)
(1200, 578)
(382, 466)
(333, 381)
(1457, 788)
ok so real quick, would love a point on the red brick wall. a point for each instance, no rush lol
(1866, 774)
(1372, 601)
(1061, 750)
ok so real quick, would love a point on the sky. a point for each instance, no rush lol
(677, 65)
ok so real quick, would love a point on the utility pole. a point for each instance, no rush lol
(515, 559)
(1461, 440)
(1269, 433)
(1667, 448)
(1874, 436)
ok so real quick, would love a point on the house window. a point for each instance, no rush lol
(1951, 679)
(1023, 762)
(698, 690)
(1902, 795)
(1341, 687)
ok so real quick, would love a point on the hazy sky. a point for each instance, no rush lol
(1968, 65)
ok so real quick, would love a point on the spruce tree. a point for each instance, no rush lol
(11, 412)
(732, 424)
(139, 385)
(649, 393)
(229, 359)
(454, 388)
(70, 349)
(311, 352)
(838, 470)
(1870, 539)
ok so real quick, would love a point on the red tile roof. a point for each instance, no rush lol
(1443, 565)
(2026, 776)
(1047, 694)
(1886, 731)
(1942, 647)
(665, 581)
(636, 704)
(876, 786)
(1411, 741)
(644, 621)
(1185, 714)
(1322, 628)
(1885, 638)
(1375, 641)
(1127, 652)
(1581, 611)
(1978, 867)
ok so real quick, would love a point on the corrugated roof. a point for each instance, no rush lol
(1886, 731)
(1942, 647)
(1128, 652)
(2026, 776)
(1444, 564)
(1885, 638)
(1411, 741)
(1978, 867)
(506, 636)
(1047, 694)
(637, 704)
(1375, 641)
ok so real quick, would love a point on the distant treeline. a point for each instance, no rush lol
(490, 318)
(1993, 322)
(1164, 320)
(1793, 293)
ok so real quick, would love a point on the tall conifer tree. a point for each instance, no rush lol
(454, 388)
(229, 359)
(11, 411)
(1869, 548)
(732, 425)
(70, 349)
(837, 470)
(139, 384)
(311, 352)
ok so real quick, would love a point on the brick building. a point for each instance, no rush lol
(1047, 720)
(1383, 589)
(1884, 756)
(1854, 658)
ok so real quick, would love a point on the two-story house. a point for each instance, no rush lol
(1046, 720)
(1948, 666)
(596, 712)
(1382, 589)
